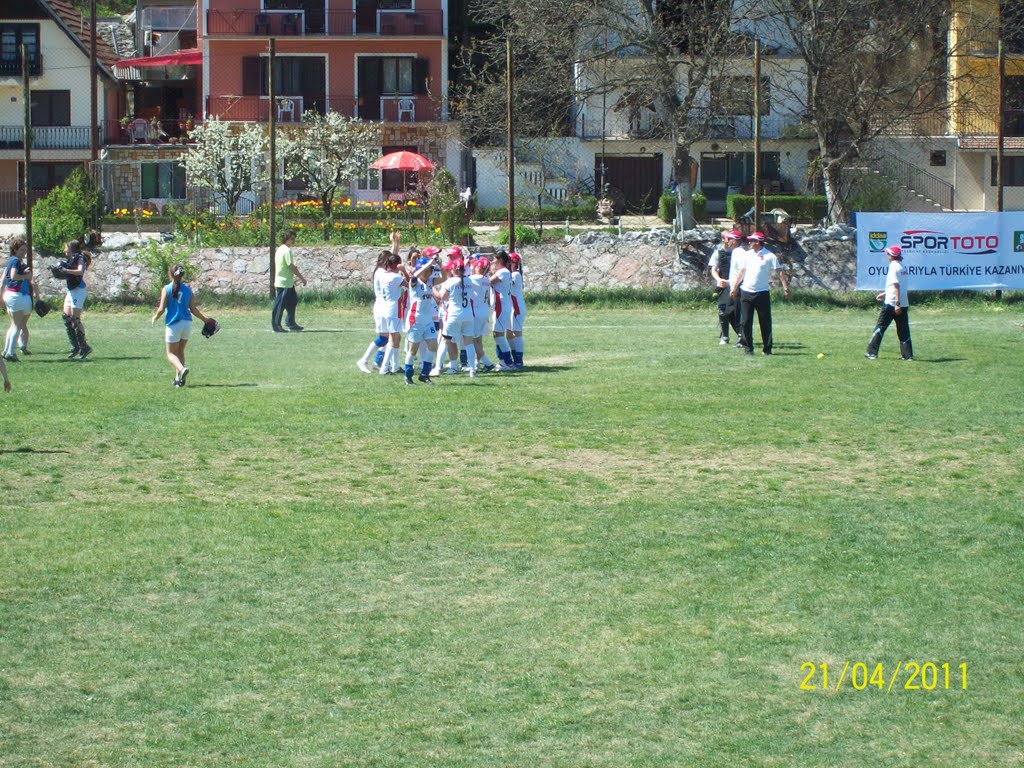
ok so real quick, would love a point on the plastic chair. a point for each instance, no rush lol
(407, 107)
(262, 23)
(286, 107)
(139, 130)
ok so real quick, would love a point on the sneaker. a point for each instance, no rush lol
(472, 373)
(488, 368)
(767, 353)
(177, 382)
(408, 381)
(449, 372)
(73, 353)
(435, 372)
(24, 351)
(277, 329)
(11, 358)
(362, 366)
(723, 341)
(85, 352)
(908, 359)
(182, 376)
(425, 379)
(295, 328)
(738, 345)
(870, 356)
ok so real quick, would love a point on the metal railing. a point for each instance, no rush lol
(728, 127)
(914, 179)
(299, 23)
(12, 201)
(11, 66)
(412, 109)
(50, 137)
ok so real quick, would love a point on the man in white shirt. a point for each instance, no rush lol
(895, 304)
(750, 286)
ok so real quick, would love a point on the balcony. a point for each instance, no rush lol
(395, 109)
(50, 137)
(11, 67)
(299, 23)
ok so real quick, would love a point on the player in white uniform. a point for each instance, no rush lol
(419, 319)
(751, 288)
(501, 285)
(449, 348)
(515, 333)
(481, 308)
(388, 283)
(377, 345)
(459, 319)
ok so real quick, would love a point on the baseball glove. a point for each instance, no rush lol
(42, 308)
(58, 272)
(210, 327)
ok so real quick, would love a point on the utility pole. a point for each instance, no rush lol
(510, 147)
(757, 133)
(273, 161)
(94, 124)
(26, 176)
(1000, 117)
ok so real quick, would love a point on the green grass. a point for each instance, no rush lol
(620, 557)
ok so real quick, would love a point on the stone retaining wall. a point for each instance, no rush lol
(821, 260)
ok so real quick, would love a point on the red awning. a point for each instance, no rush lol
(177, 59)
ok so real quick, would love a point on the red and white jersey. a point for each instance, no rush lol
(516, 294)
(481, 294)
(501, 284)
(460, 299)
(387, 287)
(422, 306)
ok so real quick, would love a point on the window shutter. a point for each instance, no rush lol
(420, 75)
(251, 76)
(150, 180)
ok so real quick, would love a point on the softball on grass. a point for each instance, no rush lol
(821, 355)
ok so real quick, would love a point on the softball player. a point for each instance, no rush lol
(481, 308)
(515, 333)
(419, 321)
(18, 287)
(77, 262)
(459, 318)
(501, 285)
(179, 302)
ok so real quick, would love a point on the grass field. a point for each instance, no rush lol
(620, 557)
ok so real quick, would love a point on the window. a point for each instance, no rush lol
(163, 180)
(293, 76)
(46, 175)
(12, 37)
(1013, 171)
(937, 158)
(736, 96)
(398, 181)
(396, 75)
(51, 108)
(369, 181)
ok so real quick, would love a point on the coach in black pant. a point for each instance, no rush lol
(751, 287)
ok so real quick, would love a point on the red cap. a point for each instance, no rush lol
(455, 252)
(514, 257)
(484, 263)
(430, 250)
(452, 265)
(757, 237)
(894, 250)
(732, 234)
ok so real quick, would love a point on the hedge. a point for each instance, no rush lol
(667, 206)
(586, 210)
(799, 207)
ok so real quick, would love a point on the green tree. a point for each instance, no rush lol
(445, 207)
(67, 213)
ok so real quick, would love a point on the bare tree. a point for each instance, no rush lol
(669, 55)
(872, 67)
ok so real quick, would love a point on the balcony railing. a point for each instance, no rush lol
(50, 137)
(12, 201)
(299, 23)
(396, 109)
(732, 127)
(11, 67)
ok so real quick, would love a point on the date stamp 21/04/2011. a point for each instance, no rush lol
(905, 675)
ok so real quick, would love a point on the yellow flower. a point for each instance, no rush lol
(437, 229)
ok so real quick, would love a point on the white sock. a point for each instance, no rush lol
(471, 357)
(370, 352)
(386, 362)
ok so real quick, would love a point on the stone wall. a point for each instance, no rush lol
(824, 260)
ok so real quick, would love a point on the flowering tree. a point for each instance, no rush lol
(228, 159)
(329, 151)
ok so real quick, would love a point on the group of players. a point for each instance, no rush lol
(446, 303)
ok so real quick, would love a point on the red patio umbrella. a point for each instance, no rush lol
(403, 161)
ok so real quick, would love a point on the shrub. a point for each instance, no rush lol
(445, 207)
(158, 258)
(799, 207)
(524, 235)
(667, 206)
(67, 213)
(585, 209)
(873, 193)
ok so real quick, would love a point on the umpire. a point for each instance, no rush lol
(751, 287)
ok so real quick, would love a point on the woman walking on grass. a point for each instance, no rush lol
(180, 304)
(18, 289)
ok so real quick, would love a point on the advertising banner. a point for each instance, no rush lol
(943, 251)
